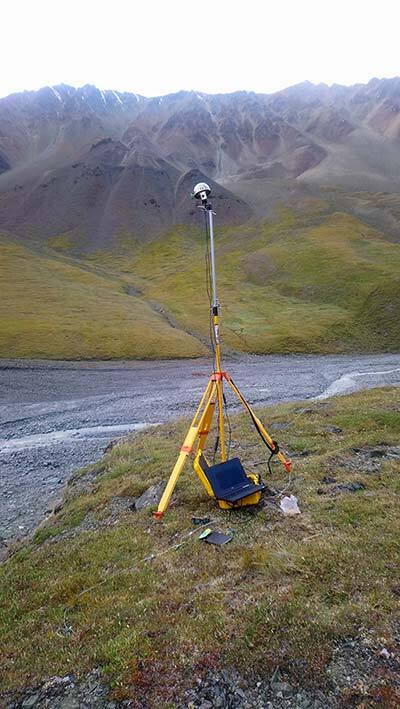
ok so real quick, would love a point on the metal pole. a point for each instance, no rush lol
(215, 316)
(212, 249)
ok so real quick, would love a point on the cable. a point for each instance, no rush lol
(269, 462)
(275, 450)
(216, 444)
(184, 540)
(212, 337)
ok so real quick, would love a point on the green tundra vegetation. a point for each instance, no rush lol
(79, 594)
(58, 309)
(309, 281)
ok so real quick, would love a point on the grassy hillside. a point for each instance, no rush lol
(311, 281)
(307, 282)
(54, 308)
(284, 593)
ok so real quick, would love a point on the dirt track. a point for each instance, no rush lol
(58, 416)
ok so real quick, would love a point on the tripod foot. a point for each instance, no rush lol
(158, 515)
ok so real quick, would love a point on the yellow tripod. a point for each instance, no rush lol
(213, 395)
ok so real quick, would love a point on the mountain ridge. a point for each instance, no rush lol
(97, 162)
(306, 188)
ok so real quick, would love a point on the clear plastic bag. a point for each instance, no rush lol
(289, 506)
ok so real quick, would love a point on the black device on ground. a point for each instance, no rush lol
(229, 480)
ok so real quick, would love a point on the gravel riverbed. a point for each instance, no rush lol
(58, 416)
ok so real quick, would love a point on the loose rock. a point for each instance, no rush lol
(150, 497)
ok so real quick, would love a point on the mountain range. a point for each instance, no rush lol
(99, 180)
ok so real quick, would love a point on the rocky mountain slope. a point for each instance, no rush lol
(95, 164)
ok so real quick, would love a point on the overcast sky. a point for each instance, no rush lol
(152, 47)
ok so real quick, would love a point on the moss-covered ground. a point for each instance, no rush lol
(282, 593)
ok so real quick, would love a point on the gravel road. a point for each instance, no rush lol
(59, 416)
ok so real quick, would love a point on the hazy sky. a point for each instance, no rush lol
(152, 47)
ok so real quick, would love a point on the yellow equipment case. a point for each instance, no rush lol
(228, 482)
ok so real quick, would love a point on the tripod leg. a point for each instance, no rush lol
(220, 385)
(221, 420)
(178, 467)
(204, 429)
(262, 430)
(186, 449)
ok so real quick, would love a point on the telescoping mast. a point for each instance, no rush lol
(226, 481)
